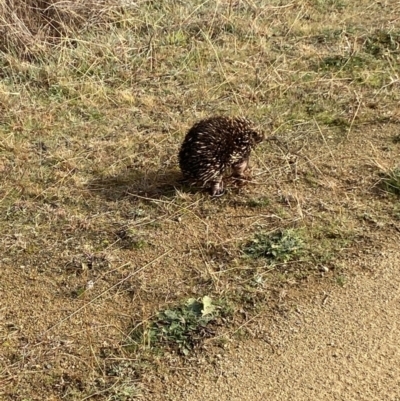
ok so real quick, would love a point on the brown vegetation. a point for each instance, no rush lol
(28, 27)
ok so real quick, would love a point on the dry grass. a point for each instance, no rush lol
(30, 27)
(97, 233)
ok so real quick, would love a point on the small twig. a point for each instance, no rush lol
(230, 8)
(151, 52)
(323, 137)
(236, 330)
(102, 391)
(324, 299)
(354, 117)
(105, 291)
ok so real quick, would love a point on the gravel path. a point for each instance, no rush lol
(344, 344)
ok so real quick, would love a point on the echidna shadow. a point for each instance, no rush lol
(215, 146)
(151, 184)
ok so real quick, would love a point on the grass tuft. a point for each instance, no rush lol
(29, 27)
(281, 246)
(391, 182)
(258, 202)
(382, 42)
(339, 62)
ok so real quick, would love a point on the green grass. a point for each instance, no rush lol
(281, 246)
(259, 202)
(391, 182)
(382, 43)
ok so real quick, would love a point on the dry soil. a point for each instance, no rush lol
(342, 344)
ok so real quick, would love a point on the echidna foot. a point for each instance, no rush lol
(239, 169)
(217, 188)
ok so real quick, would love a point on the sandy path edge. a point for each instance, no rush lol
(342, 347)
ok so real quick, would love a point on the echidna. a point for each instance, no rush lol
(215, 145)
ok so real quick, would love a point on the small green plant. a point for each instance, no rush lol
(125, 392)
(327, 118)
(131, 239)
(338, 62)
(382, 42)
(184, 326)
(325, 5)
(176, 38)
(78, 292)
(391, 183)
(328, 35)
(341, 280)
(259, 202)
(280, 246)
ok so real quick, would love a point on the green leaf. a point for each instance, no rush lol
(208, 307)
(194, 306)
(170, 314)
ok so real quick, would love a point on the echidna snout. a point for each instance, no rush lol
(215, 145)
